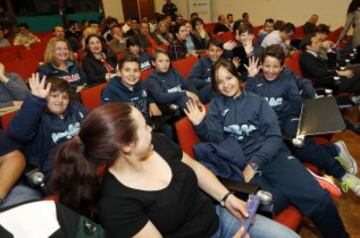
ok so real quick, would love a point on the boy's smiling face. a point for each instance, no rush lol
(271, 68)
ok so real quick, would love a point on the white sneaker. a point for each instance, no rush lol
(345, 158)
(351, 182)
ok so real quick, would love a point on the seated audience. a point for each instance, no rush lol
(230, 21)
(220, 26)
(267, 29)
(144, 37)
(244, 49)
(129, 88)
(25, 37)
(12, 165)
(166, 85)
(73, 30)
(3, 42)
(162, 34)
(177, 49)
(134, 48)
(134, 28)
(58, 62)
(284, 97)
(245, 18)
(318, 70)
(59, 33)
(189, 43)
(200, 75)
(109, 22)
(248, 119)
(99, 63)
(12, 88)
(310, 26)
(280, 37)
(117, 43)
(132, 200)
(200, 36)
(47, 118)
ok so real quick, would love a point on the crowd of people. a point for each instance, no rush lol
(150, 187)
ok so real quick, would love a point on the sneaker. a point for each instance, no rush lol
(351, 182)
(327, 184)
(345, 158)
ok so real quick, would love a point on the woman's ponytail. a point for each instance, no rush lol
(74, 179)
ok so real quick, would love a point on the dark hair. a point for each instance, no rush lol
(229, 15)
(103, 132)
(245, 27)
(222, 62)
(133, 41)
(128, 57)
(196, 21)
(25, 25)
(194, 14)
(353, 6)
(244, 14)
(288, 27)
(269, 20)
(71, 23)
(275, 51)
(58, 84)
(278, 25)
(102, 41)
(115, 26)
(322, 28)
(219, 17)
(216, 42)
(178, 26)
(307, 40)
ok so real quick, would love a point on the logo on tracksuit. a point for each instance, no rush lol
(274, 102)
(240, 131)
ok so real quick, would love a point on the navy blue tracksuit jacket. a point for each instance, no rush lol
(40, 131)
(169, 87)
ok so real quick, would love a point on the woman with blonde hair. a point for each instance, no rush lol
(58, 62)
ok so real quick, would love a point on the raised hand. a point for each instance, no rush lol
(236, 61)
(229, 45)
(38, 87)
(195, 112)
(253, 68)
(248, 47)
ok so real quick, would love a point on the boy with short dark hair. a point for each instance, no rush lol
(284, 97)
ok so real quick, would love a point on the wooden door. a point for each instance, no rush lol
(130, 9)
(147, 8)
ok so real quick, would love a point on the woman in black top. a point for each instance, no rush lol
(150, 188)
(99, 63)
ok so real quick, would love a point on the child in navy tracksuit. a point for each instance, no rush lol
(167, 86)
(200, 75)
(128, 88)
(250, 119)
(47, 118)
(134, 47)
(283, 96)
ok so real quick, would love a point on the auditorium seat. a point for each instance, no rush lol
(91, 97)
(184, 66)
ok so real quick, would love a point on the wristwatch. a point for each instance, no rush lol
(222, 202)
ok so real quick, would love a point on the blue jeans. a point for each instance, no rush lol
(262, 227)
(19, 194)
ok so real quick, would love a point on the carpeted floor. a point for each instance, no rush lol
(348, 204)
